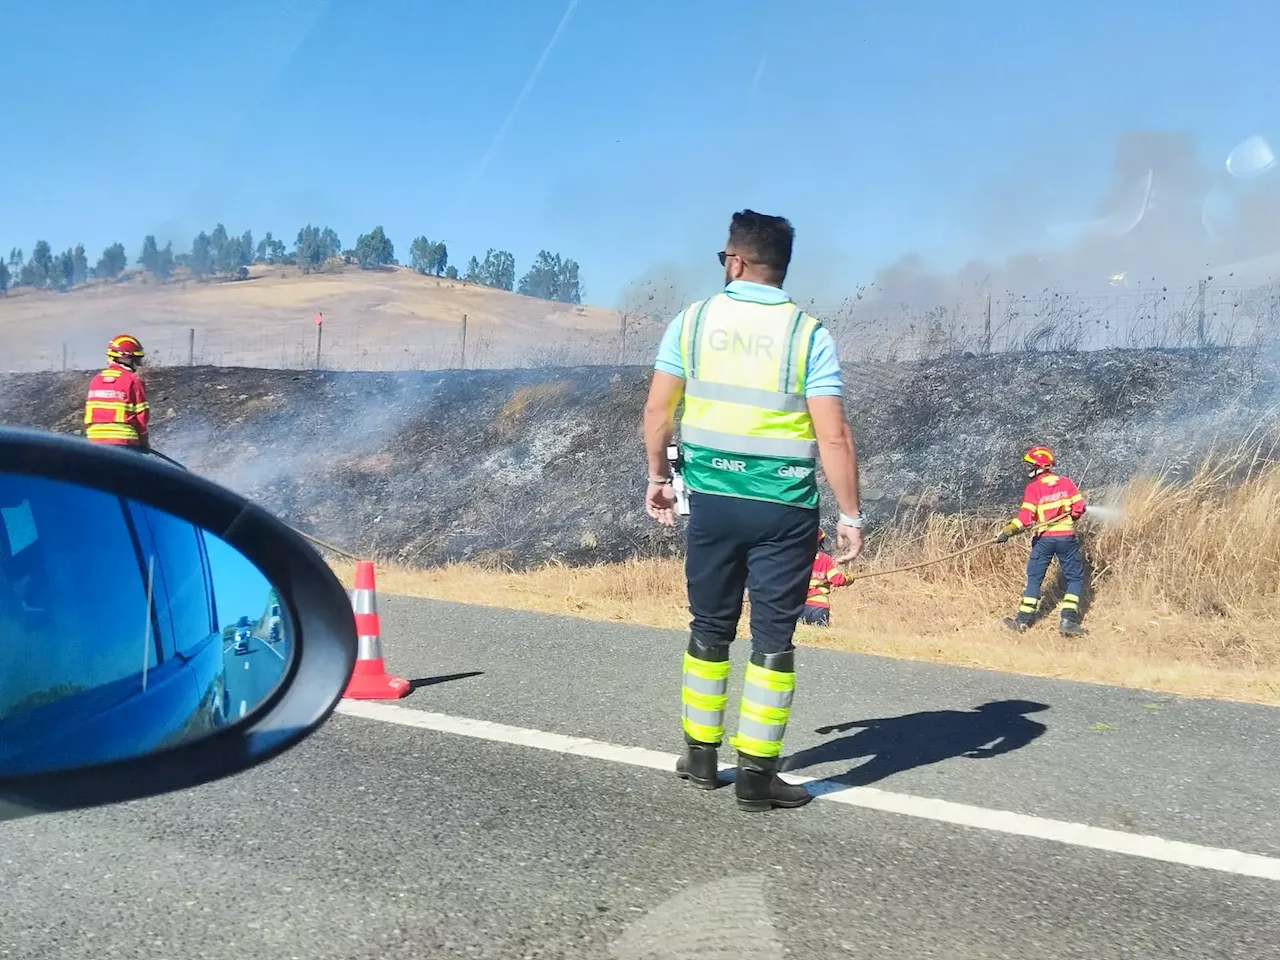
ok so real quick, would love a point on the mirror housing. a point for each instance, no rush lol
(317, 606)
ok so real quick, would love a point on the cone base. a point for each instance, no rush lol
(370, 681)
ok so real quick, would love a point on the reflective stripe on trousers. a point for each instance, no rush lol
(703, 696)
(766, 708)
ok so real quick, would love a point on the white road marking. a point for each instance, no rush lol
(944, 811)
(244, 706)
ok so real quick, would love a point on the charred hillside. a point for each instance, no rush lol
(530, 465)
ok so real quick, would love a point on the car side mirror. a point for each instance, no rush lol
(157, 631)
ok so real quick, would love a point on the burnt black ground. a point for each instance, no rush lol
(523, 466)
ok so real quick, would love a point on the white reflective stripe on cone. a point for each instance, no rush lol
(370, 648)
(364, 601)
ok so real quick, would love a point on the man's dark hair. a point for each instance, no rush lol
(763, 240)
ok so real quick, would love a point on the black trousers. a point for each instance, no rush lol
(767, 548)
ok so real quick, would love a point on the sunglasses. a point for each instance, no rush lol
(725, 256)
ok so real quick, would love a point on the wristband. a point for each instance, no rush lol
(855, 522)
(660, 481)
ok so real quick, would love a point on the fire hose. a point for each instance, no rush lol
(315, 541)
(950, 556)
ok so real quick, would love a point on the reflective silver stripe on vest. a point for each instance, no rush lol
(764, 732)
(704, 718)
(708, 688)
(764, 399)
(756, 446)
(780, 699)
(789, 363)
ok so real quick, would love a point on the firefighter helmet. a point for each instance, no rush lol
(1039, 457)
(125, 349)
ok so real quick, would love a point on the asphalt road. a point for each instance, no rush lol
(379, 840)
(252, 675)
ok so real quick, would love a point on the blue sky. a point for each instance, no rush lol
(879, 128)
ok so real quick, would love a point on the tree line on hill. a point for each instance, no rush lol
(221, 254)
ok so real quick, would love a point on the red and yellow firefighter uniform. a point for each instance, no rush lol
(1052, 504)
(826, 574)
(116, 411)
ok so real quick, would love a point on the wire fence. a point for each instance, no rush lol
(865, 329)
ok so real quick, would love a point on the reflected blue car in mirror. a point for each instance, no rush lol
(124, 630)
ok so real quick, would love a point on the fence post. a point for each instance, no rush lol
(64, 358)
(986, 323)
(319, 336)
(462, 363)
(1200, 334)
(622, 337)
(191, 346)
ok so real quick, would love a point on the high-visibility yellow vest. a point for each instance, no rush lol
(746, 430)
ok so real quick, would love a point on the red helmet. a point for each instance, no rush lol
(1039, 457)
(125, 348)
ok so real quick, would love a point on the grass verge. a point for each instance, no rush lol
(1185, 579)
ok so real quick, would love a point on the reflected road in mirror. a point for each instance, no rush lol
(123, 629)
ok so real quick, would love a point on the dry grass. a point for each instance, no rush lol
(1186, 577)
(526, 402)
(383, 319)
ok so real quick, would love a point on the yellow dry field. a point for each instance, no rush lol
(1186, 584)
(382, 320)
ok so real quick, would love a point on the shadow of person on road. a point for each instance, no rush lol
(895, 744)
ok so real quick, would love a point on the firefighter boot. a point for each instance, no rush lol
(1017, 624)
(699, 765)
(760, 788)
(1069, 626)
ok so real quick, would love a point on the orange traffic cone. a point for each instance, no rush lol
(370, 680)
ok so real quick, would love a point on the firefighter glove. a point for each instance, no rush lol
(1001, 537)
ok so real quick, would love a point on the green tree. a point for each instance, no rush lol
(552, 278)
(112, 262)
(201, 263)
(36, 271)
(270, 250)
(473, 271)
(4, 276)
(452, 272)
(422, 255)
(245, 250)
(314, 246)
(79, 265)
(222, 250)
(163, 262)
(374, 249)
(498, 270)
(149, 258)
(429, 257)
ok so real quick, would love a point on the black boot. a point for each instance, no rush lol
(1017, 624)
(760, 788)
(699, 765)
(1070, 627)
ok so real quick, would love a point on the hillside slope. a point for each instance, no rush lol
(375, 319)
(526, 466)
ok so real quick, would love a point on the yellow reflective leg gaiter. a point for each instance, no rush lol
(766, 705)
(705, 692)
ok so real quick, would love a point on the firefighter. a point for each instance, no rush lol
(116, 411)
(826, 574)
(760, 382)
(1054, 501)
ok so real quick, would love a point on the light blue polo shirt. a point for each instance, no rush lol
(823, 376)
